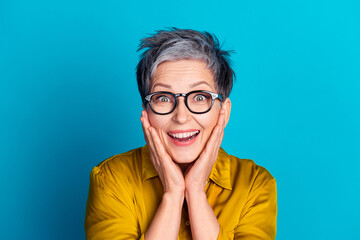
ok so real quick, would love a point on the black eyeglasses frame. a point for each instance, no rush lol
(213, 97)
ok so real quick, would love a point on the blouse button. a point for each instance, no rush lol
(187, 223)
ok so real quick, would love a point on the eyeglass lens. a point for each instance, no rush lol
(197, 102)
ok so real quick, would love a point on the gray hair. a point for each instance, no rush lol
(177, 44)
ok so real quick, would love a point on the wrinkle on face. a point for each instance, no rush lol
(184, 76)
(182, 69)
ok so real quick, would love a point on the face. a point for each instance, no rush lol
(184, 76)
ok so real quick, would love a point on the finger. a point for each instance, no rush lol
(159, 148)
(145, 126)
(154, 155)
(156, 145)
(149, 140)
(217, 133)
(221, 124)
(144, 129)
(214, 142)
(221, 118)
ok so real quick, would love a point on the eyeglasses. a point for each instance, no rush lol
(197, 102)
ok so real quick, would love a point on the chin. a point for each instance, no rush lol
(184, 157)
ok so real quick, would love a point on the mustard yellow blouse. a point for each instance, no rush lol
(125, 192)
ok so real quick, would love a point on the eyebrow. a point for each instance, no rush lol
(191, 85)
(199, 83)
(161, 85)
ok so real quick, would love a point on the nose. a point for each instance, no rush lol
(181, 112)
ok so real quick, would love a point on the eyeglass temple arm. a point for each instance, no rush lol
(216, 95)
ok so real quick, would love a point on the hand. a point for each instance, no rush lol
(169, 172)
(198, 172)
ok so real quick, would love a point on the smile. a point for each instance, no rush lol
(182, 138)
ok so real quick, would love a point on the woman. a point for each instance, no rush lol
(182, 184)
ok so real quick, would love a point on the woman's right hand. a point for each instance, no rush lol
(169, 172)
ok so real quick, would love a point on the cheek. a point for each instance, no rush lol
(157, 121)
(208, 121)
(160, 123)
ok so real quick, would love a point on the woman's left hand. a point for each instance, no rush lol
(198, 172)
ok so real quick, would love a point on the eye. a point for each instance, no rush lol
(162, 99)
(200, 98)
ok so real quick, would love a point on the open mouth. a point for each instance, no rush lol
(184, 136)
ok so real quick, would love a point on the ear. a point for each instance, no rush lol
(145, 106)
(226, 105)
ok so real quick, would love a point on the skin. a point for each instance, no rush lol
(184, 170)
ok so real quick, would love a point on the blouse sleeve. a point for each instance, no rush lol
(258, 220)
(110, 210)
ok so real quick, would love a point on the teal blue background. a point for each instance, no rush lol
(68, 100)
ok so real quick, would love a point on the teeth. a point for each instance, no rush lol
(183, 135)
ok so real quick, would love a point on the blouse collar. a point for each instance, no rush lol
(220, 173)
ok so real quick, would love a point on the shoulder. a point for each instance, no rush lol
(127, 159)
(247, 174)
(121, 167)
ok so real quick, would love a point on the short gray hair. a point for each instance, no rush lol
(177, 44)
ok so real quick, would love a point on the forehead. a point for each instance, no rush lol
(181, 76)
